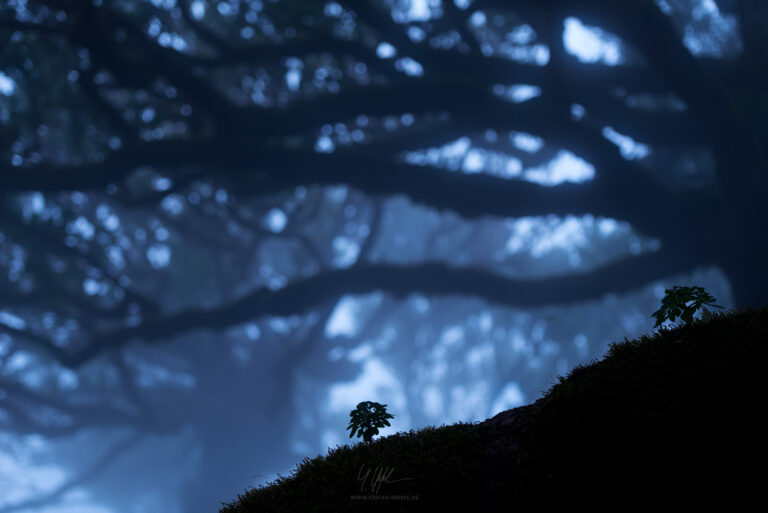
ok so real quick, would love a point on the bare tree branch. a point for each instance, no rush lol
(301, 295)
(46, 241)
(23, 26)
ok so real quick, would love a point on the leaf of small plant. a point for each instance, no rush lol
(676, 304)
(367, 418)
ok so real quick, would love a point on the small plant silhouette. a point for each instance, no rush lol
(676, 304)
(367, 418)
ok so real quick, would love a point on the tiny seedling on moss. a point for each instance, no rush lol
(683, 302)
(367, 418)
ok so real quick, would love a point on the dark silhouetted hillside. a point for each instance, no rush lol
(672, 419)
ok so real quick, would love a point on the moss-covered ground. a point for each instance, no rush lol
(671, 419)
(402, 471)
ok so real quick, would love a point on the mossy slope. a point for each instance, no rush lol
(663, 419)
(669, 419)
(434, 466)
